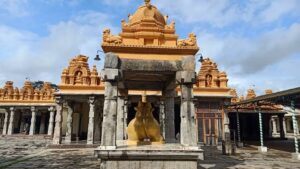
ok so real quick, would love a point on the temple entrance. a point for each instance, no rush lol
(209, 121)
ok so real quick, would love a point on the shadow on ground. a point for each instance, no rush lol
(213, 159)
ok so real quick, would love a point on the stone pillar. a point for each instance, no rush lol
(125, 117)
(262, 148)
(11, 121)
(186, 79)
(4, 132)
(122, 94)
(68, 137)
(58, 121)
(169, 94)
(162, 117)
(90, 136)
(42, 125)
(226, 143)
(274, 126)
(282, 126)
(239, 143)
(98, 121)
(295, 155)
(108, 137)
(51, 120)
(21, 130)
(32, 122)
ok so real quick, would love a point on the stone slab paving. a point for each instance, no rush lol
(250, 158)
(19, 153)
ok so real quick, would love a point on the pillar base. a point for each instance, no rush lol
(296, 156)
(107, 147)
(262, 149)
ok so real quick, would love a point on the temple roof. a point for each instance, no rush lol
(145, 32)
(147, 12)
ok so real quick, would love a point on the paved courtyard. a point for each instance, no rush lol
(18, 153)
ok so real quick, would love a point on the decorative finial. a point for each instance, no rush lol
(147, 3)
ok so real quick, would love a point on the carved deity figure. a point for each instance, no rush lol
(171, 26)
(190, 41)
(78, 78)
(208, 80)
(144, 126)
(111, 39)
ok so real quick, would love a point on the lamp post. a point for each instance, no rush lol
(200, 58)
(97, 58)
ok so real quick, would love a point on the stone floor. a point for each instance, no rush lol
(16, 153)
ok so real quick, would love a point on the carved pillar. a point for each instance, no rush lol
(108, 138)
(90, 136)
(4, 132)
(188, 133)
(122, 94)
(295, 130)
(162, 117)
(58, 121)
(33, 120)
(274, 126)
(68, 137)
(282, 126)
(262, 148)
(186, 79)
(169, 94)
(226, 143)
(11, 121)
(125, 117)
(239, 143)
(51, 120)
(42, 125)
(98, 120)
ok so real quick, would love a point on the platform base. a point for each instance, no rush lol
(296, 156)
(262, 149)
(145, 157)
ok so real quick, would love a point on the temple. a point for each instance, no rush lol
(149, 94)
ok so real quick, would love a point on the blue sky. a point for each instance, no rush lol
(257, 42)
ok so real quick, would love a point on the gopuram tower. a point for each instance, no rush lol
(148, 56)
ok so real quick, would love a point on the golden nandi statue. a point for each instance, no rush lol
(144, 128)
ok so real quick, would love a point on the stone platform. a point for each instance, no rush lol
(166, 156)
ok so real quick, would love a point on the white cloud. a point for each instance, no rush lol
(222, 13)
(43, 58)
(278, 8)
(256, 60)
(14, 7)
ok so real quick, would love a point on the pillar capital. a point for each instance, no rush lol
(58, 100)
(12, 108)
(51, 109)
(91, 100)
(186, 77)
(32, 109)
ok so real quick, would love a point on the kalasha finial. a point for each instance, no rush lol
(147, 3)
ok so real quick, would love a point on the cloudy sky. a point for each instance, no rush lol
(257, 42)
